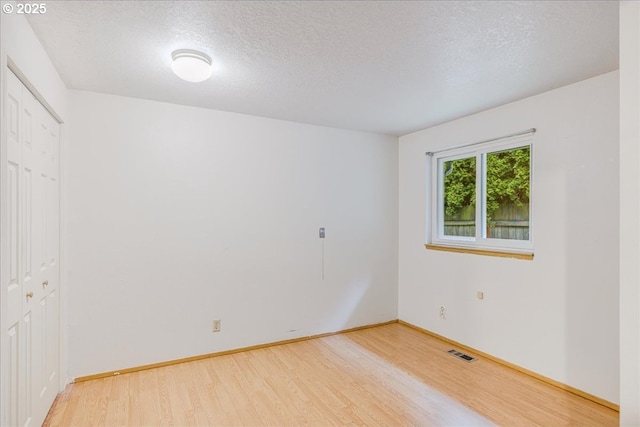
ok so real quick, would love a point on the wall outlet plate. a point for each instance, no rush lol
(216, 325)
(443, 312)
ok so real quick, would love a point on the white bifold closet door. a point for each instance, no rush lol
(32, 257)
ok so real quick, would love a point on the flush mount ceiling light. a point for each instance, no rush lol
(191, 65)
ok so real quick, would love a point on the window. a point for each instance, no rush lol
(481, 196)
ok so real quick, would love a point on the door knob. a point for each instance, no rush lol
(45, 283)
(29, 295)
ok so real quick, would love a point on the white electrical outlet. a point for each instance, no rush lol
(443, 312)
(216, 325)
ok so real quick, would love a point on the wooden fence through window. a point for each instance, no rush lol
(508, 222)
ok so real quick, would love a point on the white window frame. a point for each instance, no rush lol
(479, 241)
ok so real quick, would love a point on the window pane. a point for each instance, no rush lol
(460, 197)
(507, 204)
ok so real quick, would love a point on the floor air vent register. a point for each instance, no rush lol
(462, 356)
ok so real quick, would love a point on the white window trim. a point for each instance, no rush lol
(436, 225)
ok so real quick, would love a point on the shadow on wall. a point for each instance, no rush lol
(591, 275)
(340, 317)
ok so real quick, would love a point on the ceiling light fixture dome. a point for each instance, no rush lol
(191, 65)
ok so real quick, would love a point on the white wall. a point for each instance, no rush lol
(20, 47)
(629, 213)
(558, 314)
(23, 48)
(180, 215)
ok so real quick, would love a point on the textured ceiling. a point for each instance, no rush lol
(389, 67)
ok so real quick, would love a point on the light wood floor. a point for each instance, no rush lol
(389, 375)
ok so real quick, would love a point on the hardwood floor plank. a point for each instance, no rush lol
(387, 375)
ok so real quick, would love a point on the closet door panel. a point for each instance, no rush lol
(32, 283)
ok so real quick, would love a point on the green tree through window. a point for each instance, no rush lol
(459, 186)
(505, 190)
(507, 179)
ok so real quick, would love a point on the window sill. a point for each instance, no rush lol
(485, 252)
